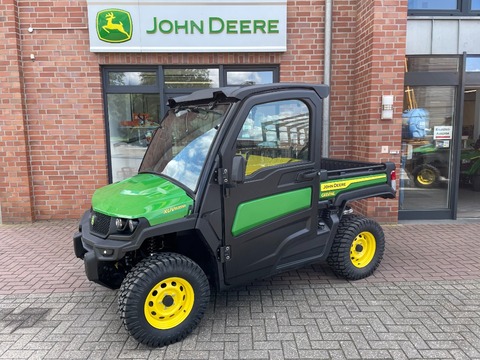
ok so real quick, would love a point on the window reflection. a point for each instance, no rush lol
(191, 78)
(188, 163)
(473, 64)
(249, 77)
(132, 120)
(180, 149)
(427, 140)
(274, 134)
(432, 4)
(432, 64)
(132, 78)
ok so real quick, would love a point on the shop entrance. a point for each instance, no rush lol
(440, 172)
(428, 149)
(469, 184)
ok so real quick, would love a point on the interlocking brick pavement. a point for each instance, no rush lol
(39, 257)
(422, 303)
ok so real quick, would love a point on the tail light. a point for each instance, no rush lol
(393, 180)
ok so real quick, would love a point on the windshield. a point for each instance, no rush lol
(181, 144)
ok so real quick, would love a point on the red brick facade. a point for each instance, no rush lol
(15, 180)
(378, 55)
(52, 118)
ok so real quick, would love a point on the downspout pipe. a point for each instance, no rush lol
(327, 64)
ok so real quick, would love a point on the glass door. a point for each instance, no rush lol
(427, 148)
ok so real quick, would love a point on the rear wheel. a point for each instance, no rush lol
(426, 176)
(163, 299)
(357, 248)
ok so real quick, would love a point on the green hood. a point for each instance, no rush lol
(143, 195)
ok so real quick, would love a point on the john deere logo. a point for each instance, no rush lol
(114, 25)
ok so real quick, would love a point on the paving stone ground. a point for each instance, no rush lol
(423, 302)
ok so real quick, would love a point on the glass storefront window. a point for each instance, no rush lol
(132, 121)
(249, 77)
(136, 100)
(191, 78)
(475, 5)
(427, 142)
(132, 78)
(432, 4)
(432, 64)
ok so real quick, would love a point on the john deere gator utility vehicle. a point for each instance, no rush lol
(233, 187)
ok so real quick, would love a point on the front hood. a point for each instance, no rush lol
(143, 195)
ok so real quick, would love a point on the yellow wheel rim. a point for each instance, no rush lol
(169, 303)
(426, 177)
(363, 249)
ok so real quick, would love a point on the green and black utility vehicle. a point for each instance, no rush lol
(233, 187)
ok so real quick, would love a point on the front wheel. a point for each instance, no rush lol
(163, 299)
(357, 248)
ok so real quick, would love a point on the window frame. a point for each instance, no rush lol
(161, 90)
(275, 69)
(464, 8)
(432, 78)
(308, 140)
(127, 89)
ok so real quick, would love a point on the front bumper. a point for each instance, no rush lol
(99, 253)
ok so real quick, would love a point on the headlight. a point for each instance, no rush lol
(126, 225)
(132, 225)
(121, 224)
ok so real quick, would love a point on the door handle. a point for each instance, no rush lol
(307, 175)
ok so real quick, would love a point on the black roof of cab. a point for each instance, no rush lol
(241, 92)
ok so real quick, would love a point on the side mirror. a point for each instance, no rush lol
(238, 169)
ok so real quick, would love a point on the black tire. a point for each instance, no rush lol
(352, 255)
(426, 176)
(163, 299)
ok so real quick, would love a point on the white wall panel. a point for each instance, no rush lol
(469, 36)
(426, 36)
(445, 36)
(419, 37)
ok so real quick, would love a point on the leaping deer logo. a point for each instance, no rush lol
(112, 31)
(111, 26)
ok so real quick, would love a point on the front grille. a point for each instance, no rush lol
(101, 223)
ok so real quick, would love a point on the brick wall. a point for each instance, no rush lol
(303, 61)
(382, 73)
(342, 77)
(15, 189)
(64, 108)
(56, 149)
(368, 55)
